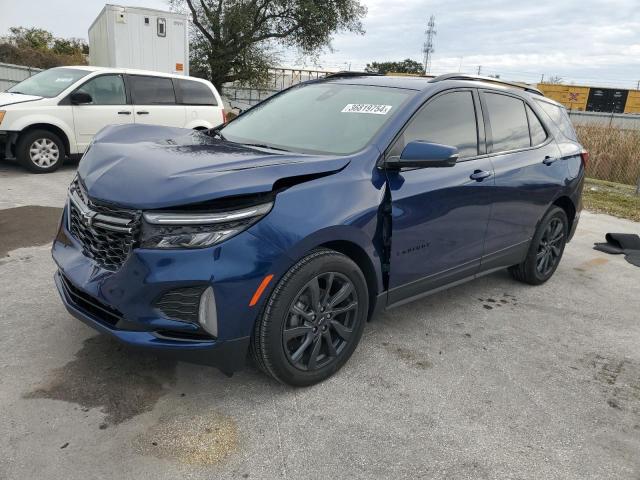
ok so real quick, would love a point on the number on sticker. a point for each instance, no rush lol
(367, 108)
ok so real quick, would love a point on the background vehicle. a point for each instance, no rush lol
(56, 113)
(283, 232)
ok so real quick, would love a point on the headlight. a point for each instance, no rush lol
(197, 230)
(2, 112)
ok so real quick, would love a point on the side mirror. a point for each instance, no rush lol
(420, 154)
(80, 98)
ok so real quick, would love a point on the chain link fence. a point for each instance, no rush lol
(614, 152)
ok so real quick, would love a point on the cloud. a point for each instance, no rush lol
(582, 41)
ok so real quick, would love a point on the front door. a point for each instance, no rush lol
(439, 215)
(108, 107)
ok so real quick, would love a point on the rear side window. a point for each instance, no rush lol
(196, 93)
(538, 134)
(152, 90)
(509, 125)
(449, 119)
(560, 118)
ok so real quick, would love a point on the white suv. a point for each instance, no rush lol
(56, 113)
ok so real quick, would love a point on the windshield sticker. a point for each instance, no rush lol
(367, 108)
(63, 79)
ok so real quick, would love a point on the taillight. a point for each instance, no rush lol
(585, 158)
(224, 117)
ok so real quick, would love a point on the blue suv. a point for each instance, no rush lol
(281, 233)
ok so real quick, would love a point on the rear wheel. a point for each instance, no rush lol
(40, 151)
(546, 249)
(313, 320)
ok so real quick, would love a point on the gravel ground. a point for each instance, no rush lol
(492, 379)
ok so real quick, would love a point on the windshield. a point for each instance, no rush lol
(319, 118)
(49, 83)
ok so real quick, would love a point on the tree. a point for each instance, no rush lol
(555, 79)
(405, 66)
(35, 38)
(38, 48)
(235, 40)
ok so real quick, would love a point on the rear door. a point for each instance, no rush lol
(109, 106)
(439, 215)
(529, 174)
(154, 101)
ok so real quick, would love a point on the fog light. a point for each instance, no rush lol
(207, 315)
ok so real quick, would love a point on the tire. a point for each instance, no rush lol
(547, 243)
(40, 151)
(333, 336)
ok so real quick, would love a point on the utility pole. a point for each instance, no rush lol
(479, 69)
(542, 78)
(427, 47)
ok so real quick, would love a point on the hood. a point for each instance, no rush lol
(7, 98)
(150, 167)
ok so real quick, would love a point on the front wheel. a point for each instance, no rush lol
(313, 320)
(40, 151)
(546, 249)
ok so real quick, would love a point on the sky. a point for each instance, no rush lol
(593, 42)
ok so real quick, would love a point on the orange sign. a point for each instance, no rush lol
(179, 67)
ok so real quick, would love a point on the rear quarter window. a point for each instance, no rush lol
(560, 119)
(196, 93)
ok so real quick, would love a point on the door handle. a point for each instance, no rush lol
(142, 113)
(480, 175)
(549, 160)
(124, 113)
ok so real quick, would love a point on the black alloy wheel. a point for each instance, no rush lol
(313, 319)
(545, 250)
(550, 247)
(320, 321)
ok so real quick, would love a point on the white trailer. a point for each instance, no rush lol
(140, 38)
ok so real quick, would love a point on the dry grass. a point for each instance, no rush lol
(614, 199)
(615, 153)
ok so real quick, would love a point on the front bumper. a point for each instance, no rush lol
(123, 303)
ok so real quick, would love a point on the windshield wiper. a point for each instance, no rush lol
(264, 145)
(215, 132)
(19, 93)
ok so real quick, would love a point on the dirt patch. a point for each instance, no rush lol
(595, 262)
(619, 379)
(200, 440)
(491, 303)
(411, 358)
(27, 227)
(105, 375)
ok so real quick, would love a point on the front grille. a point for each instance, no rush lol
(99, 310)
(107, 233)
(181, 303)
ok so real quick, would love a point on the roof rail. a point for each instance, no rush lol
(479, 78)
(346, 74)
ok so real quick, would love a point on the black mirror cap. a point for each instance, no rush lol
(79, 98)
(421, 154)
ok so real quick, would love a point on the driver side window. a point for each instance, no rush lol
(449, 119)
(105, 90)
